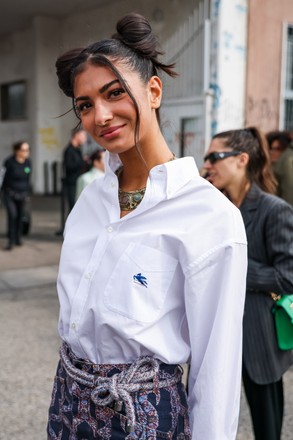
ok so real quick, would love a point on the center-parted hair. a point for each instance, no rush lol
(253, 142)
(134, 44)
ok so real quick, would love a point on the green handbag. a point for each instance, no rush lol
(283, 311)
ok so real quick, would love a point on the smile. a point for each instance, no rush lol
(111, 132)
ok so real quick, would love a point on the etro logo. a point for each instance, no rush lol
(140, 279)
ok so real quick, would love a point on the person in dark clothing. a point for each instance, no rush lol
(16, 186)
(73, 164)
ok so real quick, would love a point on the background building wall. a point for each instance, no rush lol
(46, 121)
(17, 63)
(228, 63)
(265, 32)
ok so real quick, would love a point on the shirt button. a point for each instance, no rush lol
(110, 229)
(113, 184)
(73, 326)
(88, 275)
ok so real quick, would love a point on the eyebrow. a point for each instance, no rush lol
(101, 90)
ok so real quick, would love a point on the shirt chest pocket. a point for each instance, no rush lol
(139, 283)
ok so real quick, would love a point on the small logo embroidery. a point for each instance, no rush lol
(140, 279)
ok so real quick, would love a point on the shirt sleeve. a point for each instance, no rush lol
(214, 297)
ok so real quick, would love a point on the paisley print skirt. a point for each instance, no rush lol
(159, 414)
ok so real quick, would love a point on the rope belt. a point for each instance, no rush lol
(142, 374)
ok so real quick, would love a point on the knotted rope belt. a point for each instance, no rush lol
(143, 374)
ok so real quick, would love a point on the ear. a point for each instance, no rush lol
(243, 159)
(155, 91)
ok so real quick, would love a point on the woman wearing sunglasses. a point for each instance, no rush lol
(238, 164)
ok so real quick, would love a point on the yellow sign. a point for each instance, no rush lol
(48, 138)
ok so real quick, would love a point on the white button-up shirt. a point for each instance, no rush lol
(166, 280)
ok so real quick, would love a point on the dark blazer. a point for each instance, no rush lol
(269, 227)
(72, 164)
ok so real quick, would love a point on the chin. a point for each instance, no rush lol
(214, 182)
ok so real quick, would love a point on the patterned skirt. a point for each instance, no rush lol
(160, 413)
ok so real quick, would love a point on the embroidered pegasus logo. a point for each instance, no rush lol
(140, 279)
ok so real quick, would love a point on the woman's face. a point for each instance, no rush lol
(223, 172)
(24, 151)
(276, 151)
(107, 112)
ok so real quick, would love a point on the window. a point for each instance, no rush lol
(13, 101)
(286, 114)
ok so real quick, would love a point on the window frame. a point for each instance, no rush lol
(6, 106)
(285, 94)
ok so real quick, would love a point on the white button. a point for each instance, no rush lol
(88, 275)
(73, 326)
(110, 229)
(113, 184)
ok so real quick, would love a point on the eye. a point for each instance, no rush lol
(116, 93)
(82, 107)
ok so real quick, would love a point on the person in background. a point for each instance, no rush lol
(152, 270)
(281, 151)
(16, 188)
(238, 164)
(96, 171)
(73, 165)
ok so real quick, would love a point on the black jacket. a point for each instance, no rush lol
(269, 227)
(17, 175)
(72, 164)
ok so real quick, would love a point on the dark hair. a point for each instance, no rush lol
(96, 155)
(283, 137)
(17, 145)
(76, 130)
(134, 44)
(253, 142)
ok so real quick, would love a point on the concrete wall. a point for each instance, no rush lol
(265, 26)
(228, 63)
(16, 59)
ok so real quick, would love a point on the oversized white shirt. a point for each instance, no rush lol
(188, 243)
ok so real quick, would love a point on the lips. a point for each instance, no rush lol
(210, 177)
(111, 131)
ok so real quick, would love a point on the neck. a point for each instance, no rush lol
(238, 192)
(19, 159)
(136, 166)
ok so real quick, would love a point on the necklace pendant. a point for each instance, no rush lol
(132, 204)
(137, 198)
(129, 200)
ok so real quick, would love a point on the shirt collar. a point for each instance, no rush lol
(176, 173)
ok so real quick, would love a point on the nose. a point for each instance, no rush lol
(103, 114)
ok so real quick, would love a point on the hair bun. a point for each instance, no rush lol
(135, 31)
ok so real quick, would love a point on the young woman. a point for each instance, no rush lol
(238, 163)
(152, 270)
(16, 186)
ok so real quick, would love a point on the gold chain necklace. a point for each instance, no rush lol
(129, 200)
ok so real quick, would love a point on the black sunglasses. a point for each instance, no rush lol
(215, 155)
